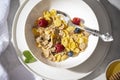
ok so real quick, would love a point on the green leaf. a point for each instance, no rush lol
(32, 60)
(26, 60)
(29, 57)
(27, 54)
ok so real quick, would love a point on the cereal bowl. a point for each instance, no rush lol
(38, 10)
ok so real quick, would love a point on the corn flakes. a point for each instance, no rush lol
(57, 38)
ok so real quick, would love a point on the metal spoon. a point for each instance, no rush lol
(105, 37)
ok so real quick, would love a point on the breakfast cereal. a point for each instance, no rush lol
(57, 39)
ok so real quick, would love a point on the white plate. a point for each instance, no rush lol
(39, 67)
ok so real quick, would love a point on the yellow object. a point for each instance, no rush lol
(72, 46)
(113, 68)
(58, 58)
(47, 15)
(57, 22)
(81, 40)
(47, 32)
(53, 12)
(71, 39)
(85, 39)
(70, 28)
(77, 50)
(64, 57)
(66, 34)
(65, 41)
(35, 32)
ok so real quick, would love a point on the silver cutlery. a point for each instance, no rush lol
(105, 37)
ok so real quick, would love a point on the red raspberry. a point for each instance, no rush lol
(59, 47)
(76, 20)
(43, 23)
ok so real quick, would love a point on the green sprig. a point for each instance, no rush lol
(28, 57)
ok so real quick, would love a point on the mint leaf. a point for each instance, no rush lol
(26, 60)
(32, 60)
(27, 54)
(29, 57)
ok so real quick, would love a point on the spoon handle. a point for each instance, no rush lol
(105, 37)
(83, 27)
(91, 31)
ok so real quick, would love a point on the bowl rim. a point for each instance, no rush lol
(82, 54)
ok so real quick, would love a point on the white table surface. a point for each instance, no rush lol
(16, 70)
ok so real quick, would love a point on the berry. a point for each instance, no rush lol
(70, 53)
(43, 23)
(77, 30)
(59, 47)
(76, 20)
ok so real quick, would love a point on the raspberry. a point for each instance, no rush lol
(43, 23)
(59, 47)
(76, 20)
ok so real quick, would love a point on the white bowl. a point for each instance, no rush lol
(78, 9)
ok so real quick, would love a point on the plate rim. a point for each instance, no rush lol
(18, 54)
